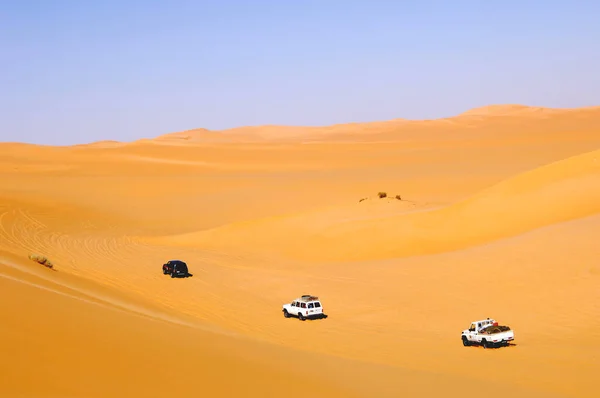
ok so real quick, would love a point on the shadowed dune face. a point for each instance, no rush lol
(499, 217)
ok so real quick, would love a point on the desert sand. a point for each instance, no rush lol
(498, 216)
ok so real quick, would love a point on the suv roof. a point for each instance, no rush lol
(307, 297)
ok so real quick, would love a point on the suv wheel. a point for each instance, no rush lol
(286, 314)
(301, 317)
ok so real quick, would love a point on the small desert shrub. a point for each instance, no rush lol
(382, 195)
(362, 200)
(41, 260)
(398, 197)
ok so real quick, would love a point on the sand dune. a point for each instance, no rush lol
(499, 217)
(558, 192)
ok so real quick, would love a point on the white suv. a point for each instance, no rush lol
(304, 307)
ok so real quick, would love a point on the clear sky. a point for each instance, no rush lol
(83, 71)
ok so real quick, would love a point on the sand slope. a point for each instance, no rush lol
(61, 342)
(499, 217)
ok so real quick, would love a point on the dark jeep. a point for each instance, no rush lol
(175, 268)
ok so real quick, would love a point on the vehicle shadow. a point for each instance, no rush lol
(184, 276)
(480, 346)
(317, 317)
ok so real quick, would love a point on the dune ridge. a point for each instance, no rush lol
(498, 217)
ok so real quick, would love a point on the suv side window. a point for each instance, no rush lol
(303, 305)
(317, 305)
(311, 305)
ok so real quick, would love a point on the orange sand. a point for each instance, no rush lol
(499, 217)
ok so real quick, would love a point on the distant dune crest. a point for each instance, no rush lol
(503, 110)
(382, 131)
(518, 110)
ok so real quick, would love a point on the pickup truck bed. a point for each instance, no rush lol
(495, 329)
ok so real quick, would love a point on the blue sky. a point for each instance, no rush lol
(82, 71)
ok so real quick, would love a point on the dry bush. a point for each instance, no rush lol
(41, 260)
(398, 197)
(382, 195)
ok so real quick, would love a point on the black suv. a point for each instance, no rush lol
(175, 268)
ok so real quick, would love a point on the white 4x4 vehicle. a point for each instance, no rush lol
(304, 307)
(487, 333)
